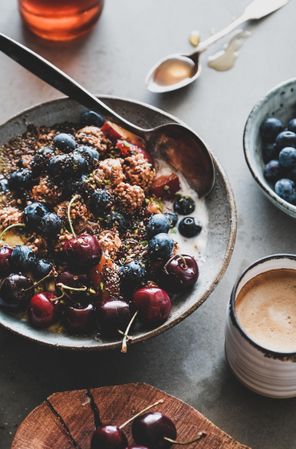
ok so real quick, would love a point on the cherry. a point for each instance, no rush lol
(113, 316)
(16, 290)
(179, 273)
(71, 280)
(79, 317)
(82, 252)
(42, 310)
(137, 447)
(5, 253)
(153, 305)
(108, 437)
(151, 429)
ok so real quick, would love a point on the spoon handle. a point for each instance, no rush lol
(55, 77)
(256, 10)
(204, 45)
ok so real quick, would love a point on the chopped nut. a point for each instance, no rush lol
(130, 197)
(139, 171)
(109, 172)
(93, 136)
(110, 243)
(46, 191)
(10, 215)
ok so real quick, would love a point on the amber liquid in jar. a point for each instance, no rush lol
(60, 20)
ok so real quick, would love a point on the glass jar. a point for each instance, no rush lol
(60, 20)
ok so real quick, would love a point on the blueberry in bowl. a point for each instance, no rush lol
(270, 144)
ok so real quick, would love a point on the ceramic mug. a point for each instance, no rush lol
(266, 372)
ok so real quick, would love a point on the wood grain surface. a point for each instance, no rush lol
(66, 420)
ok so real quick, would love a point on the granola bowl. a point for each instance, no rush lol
(213, 222)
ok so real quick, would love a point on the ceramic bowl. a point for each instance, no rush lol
(266, 372)
(221, 228)
(279, 102)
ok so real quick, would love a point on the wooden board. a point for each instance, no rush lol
(66, 420)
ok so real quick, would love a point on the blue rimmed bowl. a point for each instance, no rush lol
(280, 102)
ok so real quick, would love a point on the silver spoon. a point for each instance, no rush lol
(179, 70)
(182, 148)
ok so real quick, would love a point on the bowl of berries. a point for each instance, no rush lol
(270, 145)
(102, 242)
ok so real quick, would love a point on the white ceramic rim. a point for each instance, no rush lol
(233, 297)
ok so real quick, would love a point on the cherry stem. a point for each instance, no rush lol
(160, 401)
(74, 289)
(15, 225)
(75, 198)
(198, 437)
(38, 282)
(125, 335)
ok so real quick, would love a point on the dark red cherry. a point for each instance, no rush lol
(72, 280)
(82, 252)
(108, 437)
(153, 305)
(42, 309)
(79, 317)
(5, 253)
(179, 273)
(16, 290)
(151, 429)
(113, 315)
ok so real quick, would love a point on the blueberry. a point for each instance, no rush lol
(156, 224)
(60, 166)
(133, 275)
(90, 154)
(21, 179)
(292, 125)
(100, 202)
(172, 217)
(269, 152)
(285, 188)
(184, 205)
(22, 258)
(188, 227)
(270, 128)
(42, 268)
(4, 187)
(91, 118)
(287, 157)
(33, 214)
(40, 160)
(116, 220)
(51, 224)
(286, 139)
(160, 247)
(272, 171)
(64, 142)
(79, 185)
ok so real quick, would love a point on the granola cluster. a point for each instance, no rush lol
(130, 197)
(93, 136)
(139, 171)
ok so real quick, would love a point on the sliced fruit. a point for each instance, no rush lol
(116, 132)
(166, 187)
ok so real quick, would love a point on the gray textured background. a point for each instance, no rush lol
(188, 360)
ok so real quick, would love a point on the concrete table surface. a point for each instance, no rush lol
(187, 361)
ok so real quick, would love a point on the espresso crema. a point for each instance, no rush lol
(265, 308)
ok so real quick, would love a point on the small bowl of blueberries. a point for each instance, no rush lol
(270, 145)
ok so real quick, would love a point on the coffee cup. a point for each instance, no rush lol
(260, 337)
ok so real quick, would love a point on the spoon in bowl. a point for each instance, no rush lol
(179, 145)
(179, 70)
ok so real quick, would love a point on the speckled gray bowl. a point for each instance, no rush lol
(221, 230)
(279, 102)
